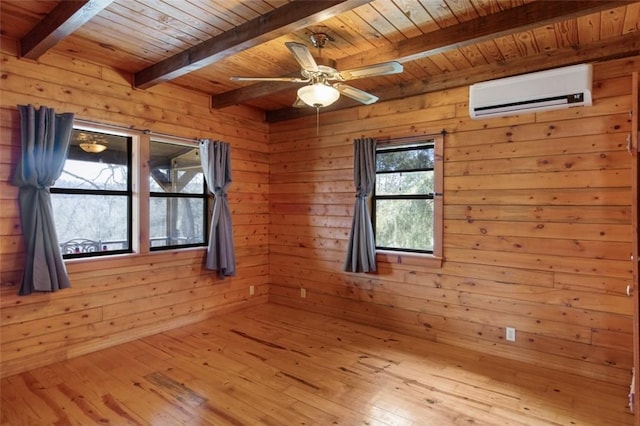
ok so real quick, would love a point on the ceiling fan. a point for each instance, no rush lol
(324, 83)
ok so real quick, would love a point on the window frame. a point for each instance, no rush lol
(433, 258)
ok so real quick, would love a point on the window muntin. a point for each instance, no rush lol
(178, 197)
(403, 200)
(92, 198)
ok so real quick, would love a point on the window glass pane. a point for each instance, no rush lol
(105, 170)
(101, 220)
(177, 221)
(88, 221)
(175, 169)
(176, 181)
(404, 175)
(404, 224)
(408, 159)
(174, 220)
(404, 183)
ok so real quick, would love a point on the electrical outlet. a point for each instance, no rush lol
(510, 334)
(303, 292)
(252, 290)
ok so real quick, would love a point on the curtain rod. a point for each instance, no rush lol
(112, 126)
(164, 135)
(133, 129)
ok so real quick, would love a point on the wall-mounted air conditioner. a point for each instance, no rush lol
(540, 91)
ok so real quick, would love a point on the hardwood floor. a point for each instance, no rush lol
(279, 366)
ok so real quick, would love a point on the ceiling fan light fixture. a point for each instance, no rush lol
(93, 144)
(92, 147)
(318, 95)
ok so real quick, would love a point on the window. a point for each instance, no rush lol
(406, 199)
(92, 198)
(99, 199)
(178, 197)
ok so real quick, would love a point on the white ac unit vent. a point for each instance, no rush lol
(540, 91)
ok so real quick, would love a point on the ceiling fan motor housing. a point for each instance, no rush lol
(323, 74)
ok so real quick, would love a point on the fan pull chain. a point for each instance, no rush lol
(317, 118)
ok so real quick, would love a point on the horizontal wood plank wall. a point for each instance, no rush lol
(117, 299)
(537, 228)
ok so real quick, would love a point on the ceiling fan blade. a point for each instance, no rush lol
(301, 53)
(384, 68)
(289, 79)
(356, 94)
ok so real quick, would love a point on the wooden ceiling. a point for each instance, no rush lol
(200, 44)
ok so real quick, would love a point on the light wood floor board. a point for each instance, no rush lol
(275, 365)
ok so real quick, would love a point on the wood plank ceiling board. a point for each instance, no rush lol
(418, 15)
(165, 17)
(180, 15)
(102, 52)
(463, 10)
(440, 12)
(24, 16)
(400, 22)
(59, 23)
(126, 21)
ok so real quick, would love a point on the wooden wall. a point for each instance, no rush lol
(122, 298)
(537, 228)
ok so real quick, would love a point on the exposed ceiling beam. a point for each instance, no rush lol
(63, 20)
(518, 19)
(281, 21)
(611, 48)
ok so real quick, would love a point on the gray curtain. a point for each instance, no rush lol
(45, 144)
(216, 164)
(361, 252)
